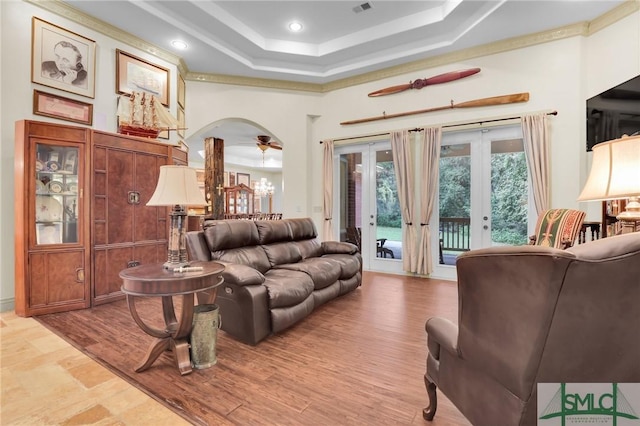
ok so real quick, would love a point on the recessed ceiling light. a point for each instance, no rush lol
(179, 44)
(295, 27)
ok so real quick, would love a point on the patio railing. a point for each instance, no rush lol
(454, 234)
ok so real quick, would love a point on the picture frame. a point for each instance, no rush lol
(181, 122)
(70, 161)
(232, 178)
(243, 178)
(136, 74)
(182, 88)
(53, 48)
(49, 233)
(55, 106)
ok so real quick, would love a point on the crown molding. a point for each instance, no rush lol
(584, 29)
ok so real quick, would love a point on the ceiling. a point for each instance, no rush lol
(339, 39)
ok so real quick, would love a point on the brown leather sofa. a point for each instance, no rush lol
(276, 272)
(529, 315)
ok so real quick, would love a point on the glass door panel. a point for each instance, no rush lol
(484, 198)
(366, 204)
(56, 207)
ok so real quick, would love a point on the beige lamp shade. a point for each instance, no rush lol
(615, 170)
(177, 185)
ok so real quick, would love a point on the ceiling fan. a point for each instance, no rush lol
(265, 142)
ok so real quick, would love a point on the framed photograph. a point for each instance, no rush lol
(243, 178)
(55, 106)
(70, 161)
(232, 179)
(62, 59)
(136, 74)
(49, 233)
(181, 123)
(182, 87)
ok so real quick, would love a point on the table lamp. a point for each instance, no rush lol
(615, 173)
(177, 187)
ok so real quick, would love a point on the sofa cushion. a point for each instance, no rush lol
(279, 253)
(287, 288)
(349, 263)
(273, 231)
(309, 248)
(229, 234)
(323, 272)
(253, 256)
(302, 228)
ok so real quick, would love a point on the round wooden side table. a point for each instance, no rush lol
(156, 281)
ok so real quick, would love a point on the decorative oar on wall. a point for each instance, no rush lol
(422, 82)
(495, 100)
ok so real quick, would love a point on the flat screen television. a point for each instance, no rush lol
(614, 112)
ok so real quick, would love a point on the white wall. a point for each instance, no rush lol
(558, 75)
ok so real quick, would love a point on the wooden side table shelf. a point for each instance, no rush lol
(155, 281)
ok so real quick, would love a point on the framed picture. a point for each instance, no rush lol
(232, 179)
(49, 233)
(181, 123)
(55, 106)
(243, 178)
(62, 59)
(182, 87)
(136, 74)
(70, 161)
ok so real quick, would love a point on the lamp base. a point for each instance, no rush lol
(630, 218)
(175, 265)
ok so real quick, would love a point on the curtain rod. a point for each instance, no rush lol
(419, 129)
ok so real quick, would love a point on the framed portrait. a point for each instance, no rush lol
(232, 179)
(136, 74)
(182, 87)
(49, 105)
(243, 178)
(49, 233)
(62, 59)
(181, 122)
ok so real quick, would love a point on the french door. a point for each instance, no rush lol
(484, 194)
(366, 204)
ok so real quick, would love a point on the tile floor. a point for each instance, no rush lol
(46, 381)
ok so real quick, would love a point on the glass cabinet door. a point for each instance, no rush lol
(57, 191)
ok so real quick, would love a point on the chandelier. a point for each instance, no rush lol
(264, 187)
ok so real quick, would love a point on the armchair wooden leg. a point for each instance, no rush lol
(430, 411)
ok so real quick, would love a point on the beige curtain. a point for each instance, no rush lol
(432, 140)
(327, 203)
(404, 179)
(536, 147)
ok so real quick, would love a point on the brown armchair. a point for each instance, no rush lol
(530, 315)
(557, 228)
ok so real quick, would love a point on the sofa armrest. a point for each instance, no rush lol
(241, 275)
(441, 334)
(338, 247)
(197, 246)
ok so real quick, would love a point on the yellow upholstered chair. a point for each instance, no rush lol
(557, 228)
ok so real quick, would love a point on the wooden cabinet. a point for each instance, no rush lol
(126, 232)
(238, 200)
(51, 205)
(81, 214)
(610, 224)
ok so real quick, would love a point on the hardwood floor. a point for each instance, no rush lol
(357, 360)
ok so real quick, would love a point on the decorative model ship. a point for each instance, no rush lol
(142, 114)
